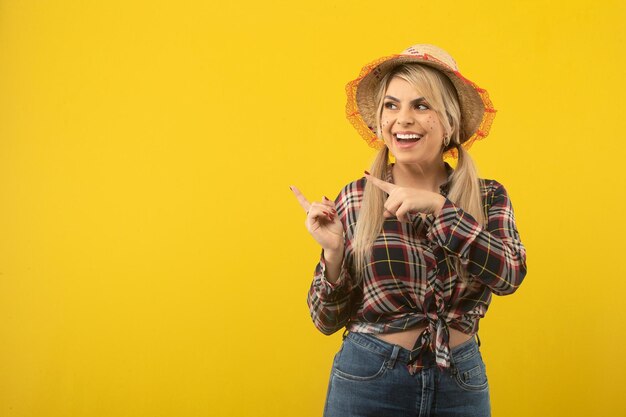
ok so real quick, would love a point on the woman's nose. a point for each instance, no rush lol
(405, 117)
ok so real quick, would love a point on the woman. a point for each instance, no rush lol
(412, 252)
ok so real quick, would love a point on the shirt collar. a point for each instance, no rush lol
(443, 189)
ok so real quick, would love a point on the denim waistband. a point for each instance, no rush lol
(389, 350)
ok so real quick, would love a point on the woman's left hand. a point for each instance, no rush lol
(405, 200)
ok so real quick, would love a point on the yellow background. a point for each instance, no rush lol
(153, 261)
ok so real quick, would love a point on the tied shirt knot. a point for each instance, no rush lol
(434, 340)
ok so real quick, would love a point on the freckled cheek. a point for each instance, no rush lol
(385, 127)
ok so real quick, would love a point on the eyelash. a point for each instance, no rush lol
(387, 105)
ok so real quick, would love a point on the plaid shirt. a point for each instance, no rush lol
(410, 278)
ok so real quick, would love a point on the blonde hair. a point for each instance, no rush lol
(464, 189)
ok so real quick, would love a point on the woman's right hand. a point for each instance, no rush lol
(322, 222)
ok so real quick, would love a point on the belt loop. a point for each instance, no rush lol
(343, 336)
(394, 355)
(478, 338)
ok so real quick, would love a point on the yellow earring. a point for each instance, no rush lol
(390, 158)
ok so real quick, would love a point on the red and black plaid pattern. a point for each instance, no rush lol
(410, 278)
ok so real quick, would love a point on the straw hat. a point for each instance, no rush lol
(477, 112)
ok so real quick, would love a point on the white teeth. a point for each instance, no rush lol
(412, 136)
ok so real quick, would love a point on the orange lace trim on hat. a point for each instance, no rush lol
(354, 117)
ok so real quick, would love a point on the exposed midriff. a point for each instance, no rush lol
(407, 338)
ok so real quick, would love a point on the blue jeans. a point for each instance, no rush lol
(369, 377)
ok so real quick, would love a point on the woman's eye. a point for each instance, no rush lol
(392, 106)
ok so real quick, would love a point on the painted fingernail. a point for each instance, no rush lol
(326, 198)
(367, 173)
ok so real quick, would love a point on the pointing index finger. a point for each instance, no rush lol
(301, 198)
(383, 185)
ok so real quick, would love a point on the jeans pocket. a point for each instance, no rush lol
(356, 363)
(470, 373)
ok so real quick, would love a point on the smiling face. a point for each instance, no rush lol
(410, 126)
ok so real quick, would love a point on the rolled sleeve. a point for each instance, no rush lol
(495, 254)
(330, 304)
